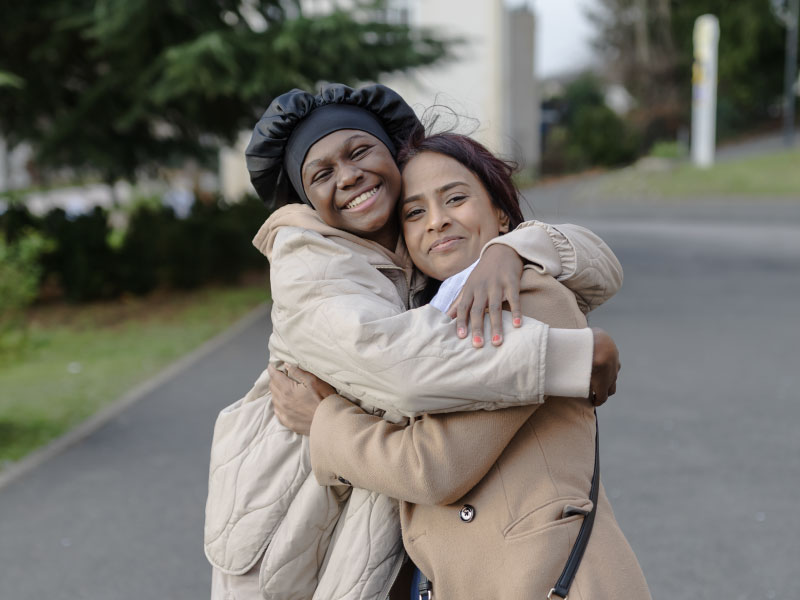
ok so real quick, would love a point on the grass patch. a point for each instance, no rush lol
(769, 175)
(78, 359)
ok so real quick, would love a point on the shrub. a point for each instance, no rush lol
(141, 254)
(587, 133)
(16, 220)
(602, 137)
(212, 244)
(88, 262)
(82, 260)
(20, 272)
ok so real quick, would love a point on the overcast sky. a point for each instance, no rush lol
(563, 34)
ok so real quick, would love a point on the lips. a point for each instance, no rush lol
(444, 244)
(359, 199)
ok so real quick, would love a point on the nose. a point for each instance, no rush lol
(349, 175)
(438, 219)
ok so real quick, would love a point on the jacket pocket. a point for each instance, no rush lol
(556, 512)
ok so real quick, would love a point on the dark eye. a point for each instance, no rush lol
(414, 212)
(359, 152)
(456, 199)
(320, 175)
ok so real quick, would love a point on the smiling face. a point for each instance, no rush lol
(447, 215)
(351, 179)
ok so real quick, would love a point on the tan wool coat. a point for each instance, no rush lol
(523, 475)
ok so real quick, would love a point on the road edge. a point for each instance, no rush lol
(128, 399)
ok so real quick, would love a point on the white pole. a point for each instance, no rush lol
(5, 171)
(704, 92)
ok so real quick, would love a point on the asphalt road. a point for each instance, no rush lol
(699, 448)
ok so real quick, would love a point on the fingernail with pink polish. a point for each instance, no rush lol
(517, 321)
(462, 332)
(477, 340)
(497, 339)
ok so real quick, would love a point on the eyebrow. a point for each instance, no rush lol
(441, 190)
(349, 140)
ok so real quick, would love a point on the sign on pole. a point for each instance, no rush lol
(704, 90)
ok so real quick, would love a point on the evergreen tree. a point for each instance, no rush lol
(111, 86)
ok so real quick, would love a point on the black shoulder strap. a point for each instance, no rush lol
(573, 562)
(425, 588)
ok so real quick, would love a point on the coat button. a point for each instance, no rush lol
(467, 513)
(343, 480)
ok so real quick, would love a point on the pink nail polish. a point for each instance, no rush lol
(517, 321)
(462, 332)
(477, 340)
(497, 339)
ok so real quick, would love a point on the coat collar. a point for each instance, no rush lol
(305, 217)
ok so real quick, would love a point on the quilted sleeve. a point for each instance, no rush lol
(436, 459)
(345, 323)
(574, 255)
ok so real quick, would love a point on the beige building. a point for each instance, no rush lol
(489, 83)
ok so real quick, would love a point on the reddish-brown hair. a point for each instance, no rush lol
(493, 172)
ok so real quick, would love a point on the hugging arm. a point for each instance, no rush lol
(344, 321)
(572, 254)
(434, 460)
(575, 256)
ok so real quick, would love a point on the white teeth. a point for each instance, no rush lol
(363, 197)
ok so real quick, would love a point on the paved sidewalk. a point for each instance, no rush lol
(119, 516)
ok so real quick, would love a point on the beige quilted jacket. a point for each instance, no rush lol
(340, 311)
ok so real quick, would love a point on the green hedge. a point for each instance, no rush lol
(20, 270)
(588, 133)
(213, 244)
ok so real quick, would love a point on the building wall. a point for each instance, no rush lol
(522, 125)
(489, 83)
(13, 166)
(470, 83)
(234, 177)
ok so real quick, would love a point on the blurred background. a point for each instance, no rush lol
(126, 216)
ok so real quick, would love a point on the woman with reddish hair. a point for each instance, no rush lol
(491, 503)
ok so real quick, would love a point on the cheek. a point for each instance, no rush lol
(412, 234)
(479, 222)
(490, 229)
(320, 198)
(487, 224)
(391, 172)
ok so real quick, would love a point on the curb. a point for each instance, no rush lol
(96, 421)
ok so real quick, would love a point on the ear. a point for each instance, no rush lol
(503, 219)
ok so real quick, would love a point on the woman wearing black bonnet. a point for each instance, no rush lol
(342, 286)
